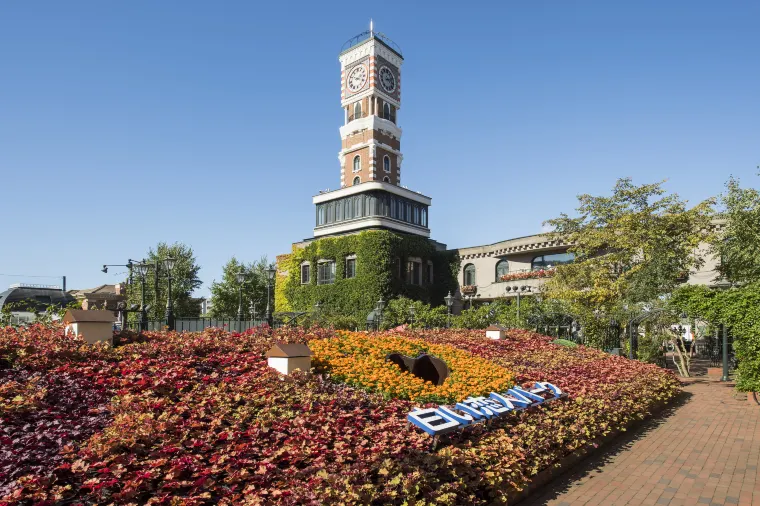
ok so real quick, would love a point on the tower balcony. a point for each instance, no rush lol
(361, 121)
(371, 205)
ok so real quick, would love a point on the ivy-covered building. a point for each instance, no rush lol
(371, 236)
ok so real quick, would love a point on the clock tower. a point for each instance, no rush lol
(370, 93)
(370, 194)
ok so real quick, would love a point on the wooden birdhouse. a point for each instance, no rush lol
(286, 358)
(496, 332)
(93, 326)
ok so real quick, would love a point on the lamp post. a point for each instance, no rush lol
(379, 312)
(449, 302)
(142, 271)
(724, 284)
(271, 271)
(168, 264)
(240, 280)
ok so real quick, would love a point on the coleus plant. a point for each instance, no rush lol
(199, 418)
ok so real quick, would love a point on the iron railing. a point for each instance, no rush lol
(199, 324)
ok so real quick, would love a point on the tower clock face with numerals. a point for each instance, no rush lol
(387, 79)
(357, 78)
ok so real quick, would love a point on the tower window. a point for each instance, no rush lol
(386, 179)
(387, 163)
(357, 163)
(387, 112)
(357, 180)
(357, 110)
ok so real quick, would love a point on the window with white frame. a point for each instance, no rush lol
(414, 271)
(387, 163)
(357, 180)
(469, 275)
(326, 272)
(350, 267)
(386, 179)
(357, 163)
(357, 110)
(305, 273)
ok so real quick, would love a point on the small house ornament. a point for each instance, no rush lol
(286, 358)
(496, 332)
(93, 326)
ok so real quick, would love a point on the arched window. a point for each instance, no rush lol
(502, 268)
(469, 275)
(386, 179)
(357, 163)
(386, 111)
(357, 110)
(387, 163)
(357, 180)
(552, 260)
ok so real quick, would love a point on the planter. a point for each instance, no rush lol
(469, 290)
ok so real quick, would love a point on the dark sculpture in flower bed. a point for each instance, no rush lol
(426, 367)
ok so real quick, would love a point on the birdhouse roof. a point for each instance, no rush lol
(496, 327)
(82, 315)
(289, 350)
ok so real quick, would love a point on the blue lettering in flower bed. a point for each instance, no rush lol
(443, 419)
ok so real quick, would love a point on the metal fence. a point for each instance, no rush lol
(199, 324)
(610, 340)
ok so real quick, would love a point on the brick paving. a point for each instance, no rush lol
(705, 450)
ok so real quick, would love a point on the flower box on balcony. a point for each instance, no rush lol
(543, 273)
(469, 290)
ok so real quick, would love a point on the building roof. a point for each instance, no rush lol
(105, 291)
(81, 315)
(39, 297)
(289, 350)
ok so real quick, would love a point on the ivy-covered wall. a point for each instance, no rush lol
(377, 273)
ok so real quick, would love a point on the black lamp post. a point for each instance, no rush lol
(142, 270)
(271, 271)
(240, 279)
(379, 306)
(449, 302)
(169, 263)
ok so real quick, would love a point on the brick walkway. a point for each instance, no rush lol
(705, 450)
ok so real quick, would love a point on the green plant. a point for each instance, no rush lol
(381, 259)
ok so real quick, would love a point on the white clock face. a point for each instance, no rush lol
(387, 80)
(357, 78)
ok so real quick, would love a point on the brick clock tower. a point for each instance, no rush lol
(370, 92)
(370, 194)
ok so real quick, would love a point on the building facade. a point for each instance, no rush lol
(523, 264)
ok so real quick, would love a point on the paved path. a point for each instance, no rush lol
(703, 451)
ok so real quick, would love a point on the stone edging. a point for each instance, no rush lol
(563, 465)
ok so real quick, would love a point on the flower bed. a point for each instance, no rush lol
(359, 359)
(200, 419)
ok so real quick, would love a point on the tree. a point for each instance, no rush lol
(630, 247)
(225, 294)
(184, 281)
(739, 242)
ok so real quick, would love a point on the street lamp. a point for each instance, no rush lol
(271, 271)
(379, 306)
(449, 302)
(240, 279)
(168, 264)
(724, 284)
(142, 270)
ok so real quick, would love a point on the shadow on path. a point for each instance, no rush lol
(595, 462)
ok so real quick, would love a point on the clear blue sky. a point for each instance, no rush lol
(214, 123)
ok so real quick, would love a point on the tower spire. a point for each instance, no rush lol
(371, 27)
